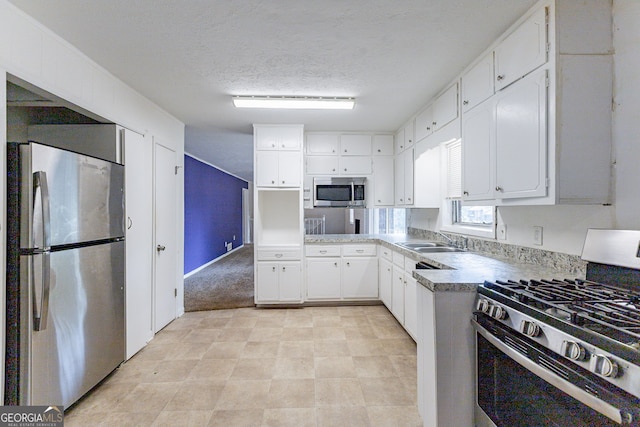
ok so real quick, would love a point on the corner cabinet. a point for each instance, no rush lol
(278, 214)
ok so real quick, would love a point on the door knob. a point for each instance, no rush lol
(160, 248)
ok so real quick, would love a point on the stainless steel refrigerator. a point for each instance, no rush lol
(65, 274)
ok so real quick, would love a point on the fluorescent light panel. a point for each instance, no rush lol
(294, 102)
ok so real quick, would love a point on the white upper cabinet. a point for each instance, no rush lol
(409, 134)
(355, 145)
(478, 154)
(477, 83)
(383, 145)
(399, 141)
(278, 137)
(445, 107)
(404, 178)
(322, 165)
(522, 51)
(355, 165)
(424, 123)
(322, 144)
(383, 177)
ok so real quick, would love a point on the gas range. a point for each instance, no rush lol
(582, 335)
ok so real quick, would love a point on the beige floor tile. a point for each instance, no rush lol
(335, 367)
(194, 395)
(213, 369)
(265, 334)
(74, 419)
(225, 350)
(173, 370)
(148, 398)
(394, 331)
(273, 312)
(182, 418)
(386, 392)
(247, 312)
(214, 322)
(333, 321)
(103, 398)
(398, 347)
(323, 311)
(359, 333)
(127, 419)
(244, 394)
(241, 322)
(296, 334)
(135, 371)
(366, 347)
(331, 348)
(405, 366)
(289, 417)
(376, 310)
(294, 368)
(292, 393)
(295, 349)
(184, 323)
(219, 314)
(339, 392)
(270, 322)
(236, 334)
(254, 369)
(237, 418)
(182, 351)
(355, 416)
(206, 336)
(169, 337)
(374, 367)
(298, 322)
(351, 310)
(394, 416)
(328, 333)
(354, 320)
(260, 350)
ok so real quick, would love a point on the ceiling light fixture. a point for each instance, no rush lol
(294, 102)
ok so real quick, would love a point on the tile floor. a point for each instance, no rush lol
(315, 366)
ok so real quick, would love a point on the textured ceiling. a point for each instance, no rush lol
(190, 56)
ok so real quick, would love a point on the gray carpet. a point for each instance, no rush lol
(227, 283)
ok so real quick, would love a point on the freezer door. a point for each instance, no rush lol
(84, 338)
(85, 197)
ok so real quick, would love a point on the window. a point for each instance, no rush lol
(389, 221)
(482, 216)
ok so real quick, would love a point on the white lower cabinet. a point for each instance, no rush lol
(385, 280)
(403, 293)
(397, 294)
(279, 282)
(323, 278)
(411, 305)
(446, 375)
(360, 277)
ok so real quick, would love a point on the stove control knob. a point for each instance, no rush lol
(603, 365)
(498, 313)
(483, 305)
(530, 328)
(573, 350)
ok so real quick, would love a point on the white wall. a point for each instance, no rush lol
(564, 227)
(34, 54)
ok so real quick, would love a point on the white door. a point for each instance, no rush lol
(166, 247)
(138, 158)
(385, 279)
(398, 172)
(478, 155)
(290, 281)
(383, 177)
(397, 294)
(289, 169)
(360, 277)
(408, 176)
(323, 278)
(411, 305)
(267, 287)
(266, 168)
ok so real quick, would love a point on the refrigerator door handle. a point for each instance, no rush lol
(41, 308)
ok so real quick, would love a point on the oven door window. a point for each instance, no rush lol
(514, 397)
(333, 193)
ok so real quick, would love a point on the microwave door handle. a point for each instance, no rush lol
(619, 415)
(353, 193)
(40, 315)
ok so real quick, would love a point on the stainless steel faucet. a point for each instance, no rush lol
(460, 245)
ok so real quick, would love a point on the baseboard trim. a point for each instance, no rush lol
(192, 272)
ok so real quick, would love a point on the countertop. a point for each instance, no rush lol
(460, 271)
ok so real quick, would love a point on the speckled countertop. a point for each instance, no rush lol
(460, 271)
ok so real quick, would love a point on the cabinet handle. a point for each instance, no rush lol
(498, 188)
(348, 264)
(410, 141)
(379, 150)
(359, 250)
(434, 123)
(278, 255)
(345, 169)
(273, 182)
(130, 221)
(345, 150)
(282, 145)
(466, 193)
(402, 146)
(324, 251)
(333, 170)
(402, 200)
(333, 151)
(465, 102)
(273, 145)
(379, 201)
(283, 181)
(284, 268)
(273, 269)
(409, 199)
(500, 77)
(428, 127)
(335, 263)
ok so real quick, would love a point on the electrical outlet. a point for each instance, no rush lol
(502, 231)
(537, 235)
(234, 237)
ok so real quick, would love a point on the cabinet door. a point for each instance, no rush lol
(322, 144)
(409, 134)
(355, 165)
(399, 141)
(360, 277)
(445, 108)
(267, 138)
(523, 51)
(290, 138)
(408, 176)
(267, 168)
(385, 280)
(477, 83)
(383, 145)
(521, 143)
(267, 288)
(424, 123)
(289, 169)
(427, 175)
(478, 152)
(427, 351)
(399, 180)
(383, 177)
(397, 294)
(322, 165)
(411, 305)
(290, 281)
(323, 278)
(355, 145)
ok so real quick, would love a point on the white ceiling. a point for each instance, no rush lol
(190, 56)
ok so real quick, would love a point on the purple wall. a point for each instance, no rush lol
(212, 212)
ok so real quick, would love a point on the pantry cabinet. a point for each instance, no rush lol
(404, 178)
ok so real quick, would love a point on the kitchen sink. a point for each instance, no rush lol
(429, 247)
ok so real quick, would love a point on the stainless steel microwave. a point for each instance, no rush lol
(339, 192)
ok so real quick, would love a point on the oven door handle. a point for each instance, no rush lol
(606, 409)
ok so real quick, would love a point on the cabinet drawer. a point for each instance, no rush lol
(385, 253)
(398, 259)
(359, 250)
(278, 254)
(321, 250)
